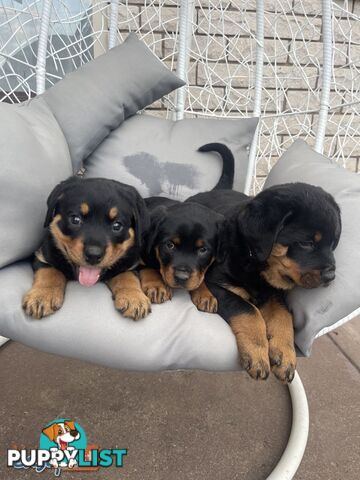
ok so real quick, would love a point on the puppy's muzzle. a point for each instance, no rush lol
(317, 278)
(182, 274)
(93, 254)
(328, 274)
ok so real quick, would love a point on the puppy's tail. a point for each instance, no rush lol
(226, 180)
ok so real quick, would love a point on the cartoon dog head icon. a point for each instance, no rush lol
(62, 433)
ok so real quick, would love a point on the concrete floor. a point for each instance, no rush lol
(187, 425)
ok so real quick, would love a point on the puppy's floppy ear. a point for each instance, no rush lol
(141, 220)
(261, 221)
(156, 217)
(338, 223)
(55, 196)
(52, 203)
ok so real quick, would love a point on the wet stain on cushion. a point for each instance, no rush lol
(160, 177)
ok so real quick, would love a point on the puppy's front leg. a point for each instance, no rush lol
(46, 294)
(249, 329)
(153, 286)
(203, 299)
(280, 333)
(128, 297)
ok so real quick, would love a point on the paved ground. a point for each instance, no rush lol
(188, 425)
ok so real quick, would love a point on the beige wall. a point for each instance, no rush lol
(292, 70)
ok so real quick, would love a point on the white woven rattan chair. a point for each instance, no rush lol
(293, 63)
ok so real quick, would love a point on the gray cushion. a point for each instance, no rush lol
(174, 335)
(34, 158)
(96, 98)
(316, 310)
(159, 157)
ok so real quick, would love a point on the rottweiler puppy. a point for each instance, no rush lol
(282, 238)
(183, 241)
(94, 232)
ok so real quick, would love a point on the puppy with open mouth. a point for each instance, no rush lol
(94, 232)
(281, 238)
(184, 240)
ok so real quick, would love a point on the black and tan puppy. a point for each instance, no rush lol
(94, 231)
(283, 237)
(184, 240)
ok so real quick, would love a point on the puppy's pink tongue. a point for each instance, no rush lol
(88, 276)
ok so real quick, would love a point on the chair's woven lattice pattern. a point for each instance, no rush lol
(221, 64)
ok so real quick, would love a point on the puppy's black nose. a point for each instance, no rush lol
(73, 433)
(182, 273)
(93, 254)
(328, 274)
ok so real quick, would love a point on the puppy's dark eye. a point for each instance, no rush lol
(202, 251)
(309, 245)
(117, 227)
(170, 245)
(75, 220)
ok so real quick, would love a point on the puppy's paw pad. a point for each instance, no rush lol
(284, 373)
(283, 363)
(256, 364)
(275, 357)
(132, 304)
(158, 293)
(208, 305)
(41, 302)
(204, 302)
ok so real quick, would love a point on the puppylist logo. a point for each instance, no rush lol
(63, 446)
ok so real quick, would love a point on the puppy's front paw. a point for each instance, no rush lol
(204, 300)
(283, 362)
(132, 303)
(154, 287)
(41, 302)
(157, 293)
(256, 362)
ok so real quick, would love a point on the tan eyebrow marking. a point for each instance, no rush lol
(113, 212)
(84, 208)
(176, 240)
(199, 243)
(318, 236)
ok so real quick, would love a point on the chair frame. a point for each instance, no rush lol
(293, 453)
